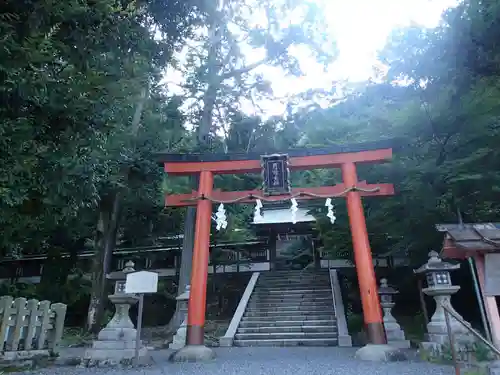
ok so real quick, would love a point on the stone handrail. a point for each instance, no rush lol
(338, 305)
(467, 325)
(228, 338)
(30, 325)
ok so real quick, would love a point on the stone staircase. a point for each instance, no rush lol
(289, 308)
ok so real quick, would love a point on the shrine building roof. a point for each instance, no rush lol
(463, 239)
(284, 216)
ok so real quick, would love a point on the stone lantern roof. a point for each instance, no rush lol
(385, 288)
(435, 263)
(122, 274)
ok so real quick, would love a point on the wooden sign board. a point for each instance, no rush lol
(275, 174)
(492, 275)
(141, 282)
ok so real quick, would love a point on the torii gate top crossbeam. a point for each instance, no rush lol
(320, 158)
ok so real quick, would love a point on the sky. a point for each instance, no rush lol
(360, 28)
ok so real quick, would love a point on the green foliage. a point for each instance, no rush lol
(444, 121)
(74, 293)
(71, 74)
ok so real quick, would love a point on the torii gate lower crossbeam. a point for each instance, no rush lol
(351, 188)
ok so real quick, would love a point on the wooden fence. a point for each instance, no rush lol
(27, 325)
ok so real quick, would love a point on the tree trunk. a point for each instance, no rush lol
(107, 228)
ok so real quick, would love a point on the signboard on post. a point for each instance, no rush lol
(140, 282)
(492, 274)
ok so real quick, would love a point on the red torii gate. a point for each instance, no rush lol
(351, 188)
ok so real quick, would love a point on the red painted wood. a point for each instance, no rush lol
(295, 163)
(199, 273)
(179, 200)
(363, 259)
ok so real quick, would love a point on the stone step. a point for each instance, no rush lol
(327, 301)
(287, 342)
(312, 286)
(302, 290)
(293, 287)
(292, 281)
(332, 328)
(285, 335)
(296, 272)
(291, 297)
(285, 284)
(252, 311)
(291, 293)
(296, 300)
(285, 279)
(290, 307)
(249, 323)
(293, 275)
(284, 316)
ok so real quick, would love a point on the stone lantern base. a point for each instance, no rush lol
(437, 332)
(115, 343)
(396, 337)
(437, 338)
(113, 353)
(438, 341)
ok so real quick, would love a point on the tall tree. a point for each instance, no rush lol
(76, 78)
(220, 74)
(440, 101)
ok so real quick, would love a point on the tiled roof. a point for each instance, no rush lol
(282, 216)
(476, 236)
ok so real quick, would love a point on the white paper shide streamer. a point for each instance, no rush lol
(257, 215)
(221, 219)
(330, 214)
(294, 208)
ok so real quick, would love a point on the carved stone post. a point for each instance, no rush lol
(179, 340)
(394, 333)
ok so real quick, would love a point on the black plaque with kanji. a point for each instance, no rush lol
(275, 174)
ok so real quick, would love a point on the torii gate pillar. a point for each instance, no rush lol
(363, 259)
(195, 335)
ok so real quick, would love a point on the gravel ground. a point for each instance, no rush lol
(270, 361)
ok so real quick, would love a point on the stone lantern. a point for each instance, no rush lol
(179, 340)
(115, 343)
(394, 333)
(439, 286)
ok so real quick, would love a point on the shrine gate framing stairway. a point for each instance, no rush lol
(206, 166)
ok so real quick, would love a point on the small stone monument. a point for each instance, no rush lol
(179, 340)
(115, 343)
(440, 287)
(394, 333)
